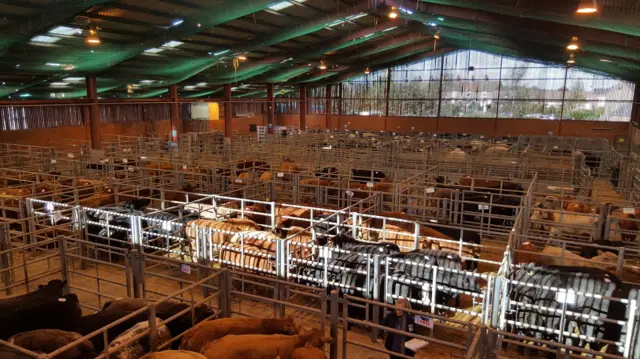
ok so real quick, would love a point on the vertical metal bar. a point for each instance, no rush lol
(416, 234)
(564, 91)
(376, 295)
(6, 257)
(64, 270)
(354, 230)
(153, 330)
(440, 92)
(345, 311)
(333, 327)
(434, 285)
(633, 306)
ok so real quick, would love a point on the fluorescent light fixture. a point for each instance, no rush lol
(147, 81)
(587, 7)
(135, 85)
(153, 50)
(220, 52)
(606, 60)
(356, 16)
(73, 79)
(69, 67)
(389, 29)
(286, 60)
(25, 95)
(441, 18)
(368, 35)
(201, 84)
(283, 5)
(433, 24)
(65, 30)
(177, 22)
(44, 39)
(54, 64)
(172, 44)
(59, 84)
(406, 11)
(337, 22)
(189, 87)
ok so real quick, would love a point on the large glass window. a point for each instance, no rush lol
(365, 95)
(316, 100)
(415, 89)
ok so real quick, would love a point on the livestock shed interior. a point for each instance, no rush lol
(319, 179)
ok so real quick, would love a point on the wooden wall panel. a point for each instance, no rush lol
(606, 130)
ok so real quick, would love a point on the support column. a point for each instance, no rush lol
(228, 114)
(94, 113)
(303, 107)
(386, 96)
(176, 123)
(270, 109)
(328, 105)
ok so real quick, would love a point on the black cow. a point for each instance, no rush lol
(592, 160)
(347, 242)
(115, 237)
(364, 176)
(580, 279)
(43, 294)
(328, 173)
(61, 312)
(468, 236)
(137, 204)
(504, 206)
(590, 252)
(93, 322)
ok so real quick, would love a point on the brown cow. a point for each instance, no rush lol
(176, 354)
(244, 224)
(262, 346)
(50, 340)
(208, 331)
(308, 352)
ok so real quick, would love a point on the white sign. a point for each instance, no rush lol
(424, 321)
(628, 210)
(57, 216)
(555, 147)
(421, 141)
(184, 167)
(464, 134)
(430, 190)
(143, 158)
(421, 133)
(185, 268)
(124, 160)
(435, 135)
(53, 162)
(370, 184)
(70, 155)
(349, 193)
(394, 134)
(483, 207)
(481, 136)
(280, 174)
(413, 128)
(131, 169)
(331, 136)
(568, 297)
(238, 180)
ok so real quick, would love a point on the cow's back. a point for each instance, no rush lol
(254, 346)
(211, 330)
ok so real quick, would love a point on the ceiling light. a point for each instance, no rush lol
(44, 39)
(572, 59)
(356, 16)
(69, 67)
(220, 52)
(147, 81)
(54, 64)
(389, 29)
(606, 60)
(65, 30)
(441, 18)
(323, 66)
(587, 7)
(130, 89)
(73, 79)
(436, 36)
(242, 57)
(191, 87)
(393, 13)
(283, 5)
(59, 84)
(25, 95)
(406, 11)
(201, 84)
(177, 22)
(573, 45)
(199, 25)
(433, 24)
(172, 44)
(93, 38)
(367, 71)
(153, 50)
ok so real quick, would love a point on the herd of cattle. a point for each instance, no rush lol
(45, 320)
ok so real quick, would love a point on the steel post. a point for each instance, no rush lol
(6, 257)
(333, 329)
(64, 269)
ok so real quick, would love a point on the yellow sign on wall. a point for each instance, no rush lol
(214, 111)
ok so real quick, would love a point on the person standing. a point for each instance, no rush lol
(399, 320)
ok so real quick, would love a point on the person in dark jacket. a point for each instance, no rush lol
(400, 320)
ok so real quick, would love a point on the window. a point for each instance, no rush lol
(365, 95)
(415, 89)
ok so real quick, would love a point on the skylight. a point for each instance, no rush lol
(283, 5)
(153, 50)
(65, 30)
(172, 44)
(44, 39)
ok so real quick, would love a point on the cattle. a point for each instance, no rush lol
(251, 166)
(211, 330)
(243, 224)
(267, 176)
(308, 352)
(456, 154)
(457, 234)
(115, 310)
(123, 347)
(497, 149)
(298, 235)
(61, 313)
(551, 255)
(217, 232)
(209, 211)
(175, 354)
(137, 204)
(347, 242)
(258, 346)
(328, 173)
(493, 186)
(364, 176)
(565, 223)
(44, 293)
(50, 340)
(425, 231)
(579, 280)
(99, 199)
